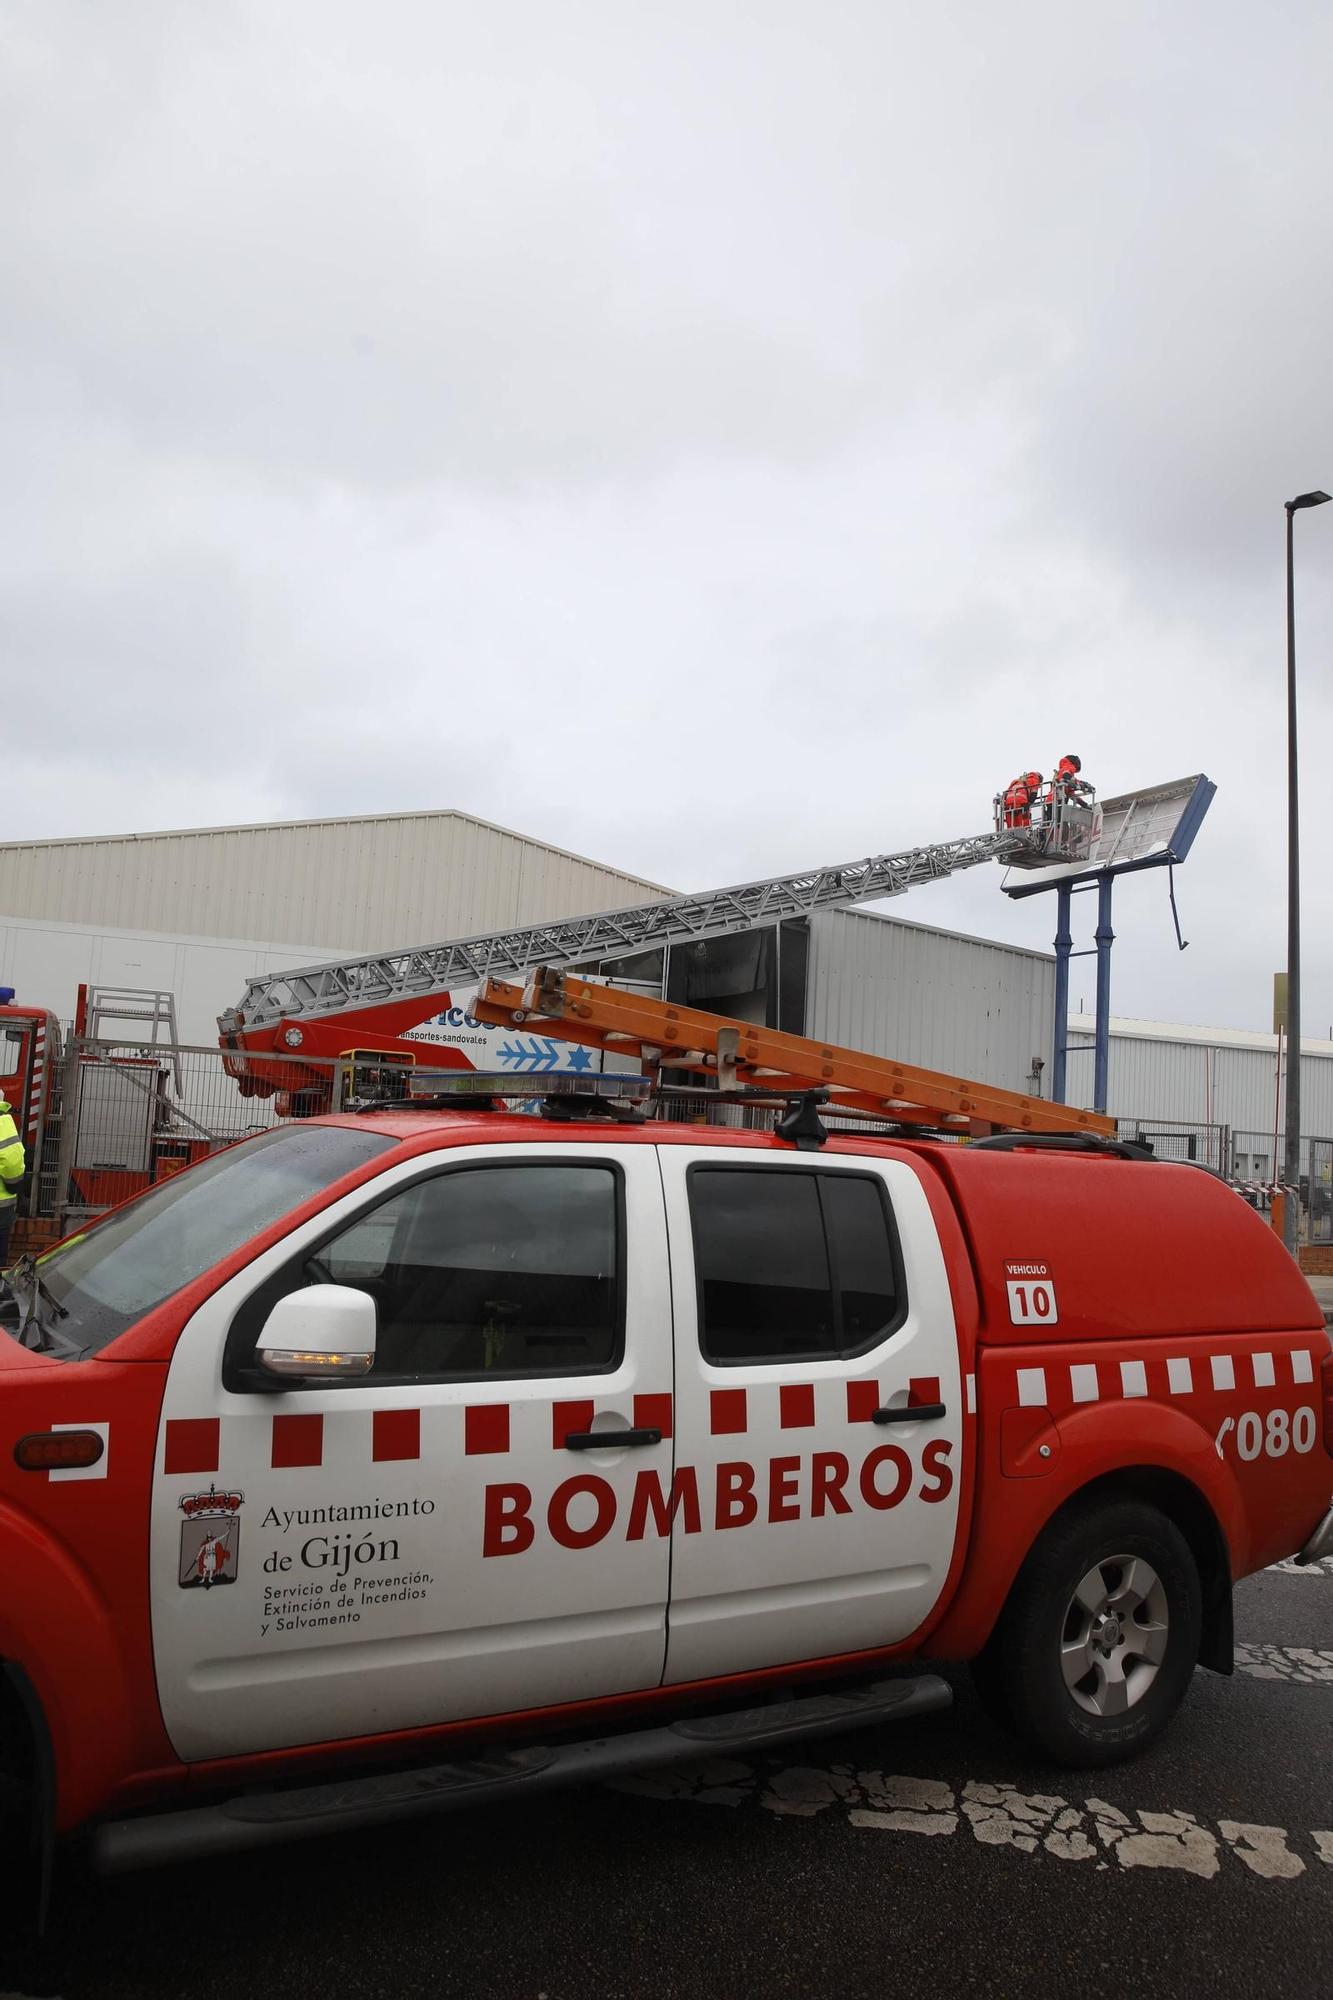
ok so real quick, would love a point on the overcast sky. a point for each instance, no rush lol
(717, 439)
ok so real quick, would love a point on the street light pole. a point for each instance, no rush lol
(1291, 1171)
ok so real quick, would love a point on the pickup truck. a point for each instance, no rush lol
(388, 1461)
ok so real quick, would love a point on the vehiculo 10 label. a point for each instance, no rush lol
(1031, 1290)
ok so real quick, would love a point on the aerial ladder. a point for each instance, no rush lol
(738, 1057)
(376, 1005)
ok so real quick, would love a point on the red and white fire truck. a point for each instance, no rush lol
(428, 1453)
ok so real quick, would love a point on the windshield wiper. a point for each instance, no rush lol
(23, 1305)
(30, 1315)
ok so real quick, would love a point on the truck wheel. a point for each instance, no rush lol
(1100, 1636)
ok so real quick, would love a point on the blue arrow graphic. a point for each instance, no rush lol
(534, 1056)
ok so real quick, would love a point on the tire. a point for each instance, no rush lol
(1099, 1638)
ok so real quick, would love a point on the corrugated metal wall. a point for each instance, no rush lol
(47, 963)
(1161, 1078)
(365, 884)
(931, 997)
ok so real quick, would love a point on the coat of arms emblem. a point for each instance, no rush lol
(210, 1538)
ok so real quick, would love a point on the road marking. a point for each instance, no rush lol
(1036, 1824)
(1263, 1848)
(1307, 1666)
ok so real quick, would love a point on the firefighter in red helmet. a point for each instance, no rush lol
(1067, 782)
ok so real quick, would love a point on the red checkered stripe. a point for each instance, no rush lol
(732, 1411)
(194, 1444)
(1063, 1385)
(35, 1086)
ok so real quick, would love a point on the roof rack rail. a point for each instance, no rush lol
(1066, 1142)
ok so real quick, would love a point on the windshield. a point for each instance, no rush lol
(106, 1280)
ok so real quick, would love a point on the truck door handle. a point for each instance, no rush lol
(600, 1440)
(910, 1413)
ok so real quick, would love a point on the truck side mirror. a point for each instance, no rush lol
(323, 1333)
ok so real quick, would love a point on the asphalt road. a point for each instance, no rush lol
(931, 1857)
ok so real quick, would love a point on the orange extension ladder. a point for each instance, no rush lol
(736, 1054)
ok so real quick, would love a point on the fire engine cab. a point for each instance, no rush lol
(440, 1451)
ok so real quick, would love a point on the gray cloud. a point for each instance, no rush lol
(718, 441)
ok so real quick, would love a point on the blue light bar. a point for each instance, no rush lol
(491, 1083)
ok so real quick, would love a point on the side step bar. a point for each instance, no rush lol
(263, 1819)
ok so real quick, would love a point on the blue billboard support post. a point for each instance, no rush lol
(1064, 944)
(1105, 936)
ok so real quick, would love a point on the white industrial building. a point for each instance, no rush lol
(199, 912)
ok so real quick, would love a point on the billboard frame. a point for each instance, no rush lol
(1178, 843)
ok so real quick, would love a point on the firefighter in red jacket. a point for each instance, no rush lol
(1020, 796)
(1067, 784)
(1017, 810)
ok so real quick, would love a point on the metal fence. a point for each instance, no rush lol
(1250, 1162)
(121, 1117)
(1319, 1203)
(1257, 1166)
(1174, 1139)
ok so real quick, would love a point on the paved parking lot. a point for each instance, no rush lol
(931, 1857)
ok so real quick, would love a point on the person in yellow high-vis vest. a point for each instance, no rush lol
(12, 1164)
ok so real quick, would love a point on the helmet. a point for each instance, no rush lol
(1033, 778)
(1077, 762)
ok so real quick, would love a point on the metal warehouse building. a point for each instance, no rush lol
(1218, 1085)
(199, 912)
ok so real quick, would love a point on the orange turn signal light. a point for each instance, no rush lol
(58, 1451)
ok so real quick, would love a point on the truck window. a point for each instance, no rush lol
(862, 1254)
(792, 1266)
(141, 1254)
(489, 1270)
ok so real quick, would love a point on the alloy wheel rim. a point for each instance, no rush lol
(1114, 1637)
